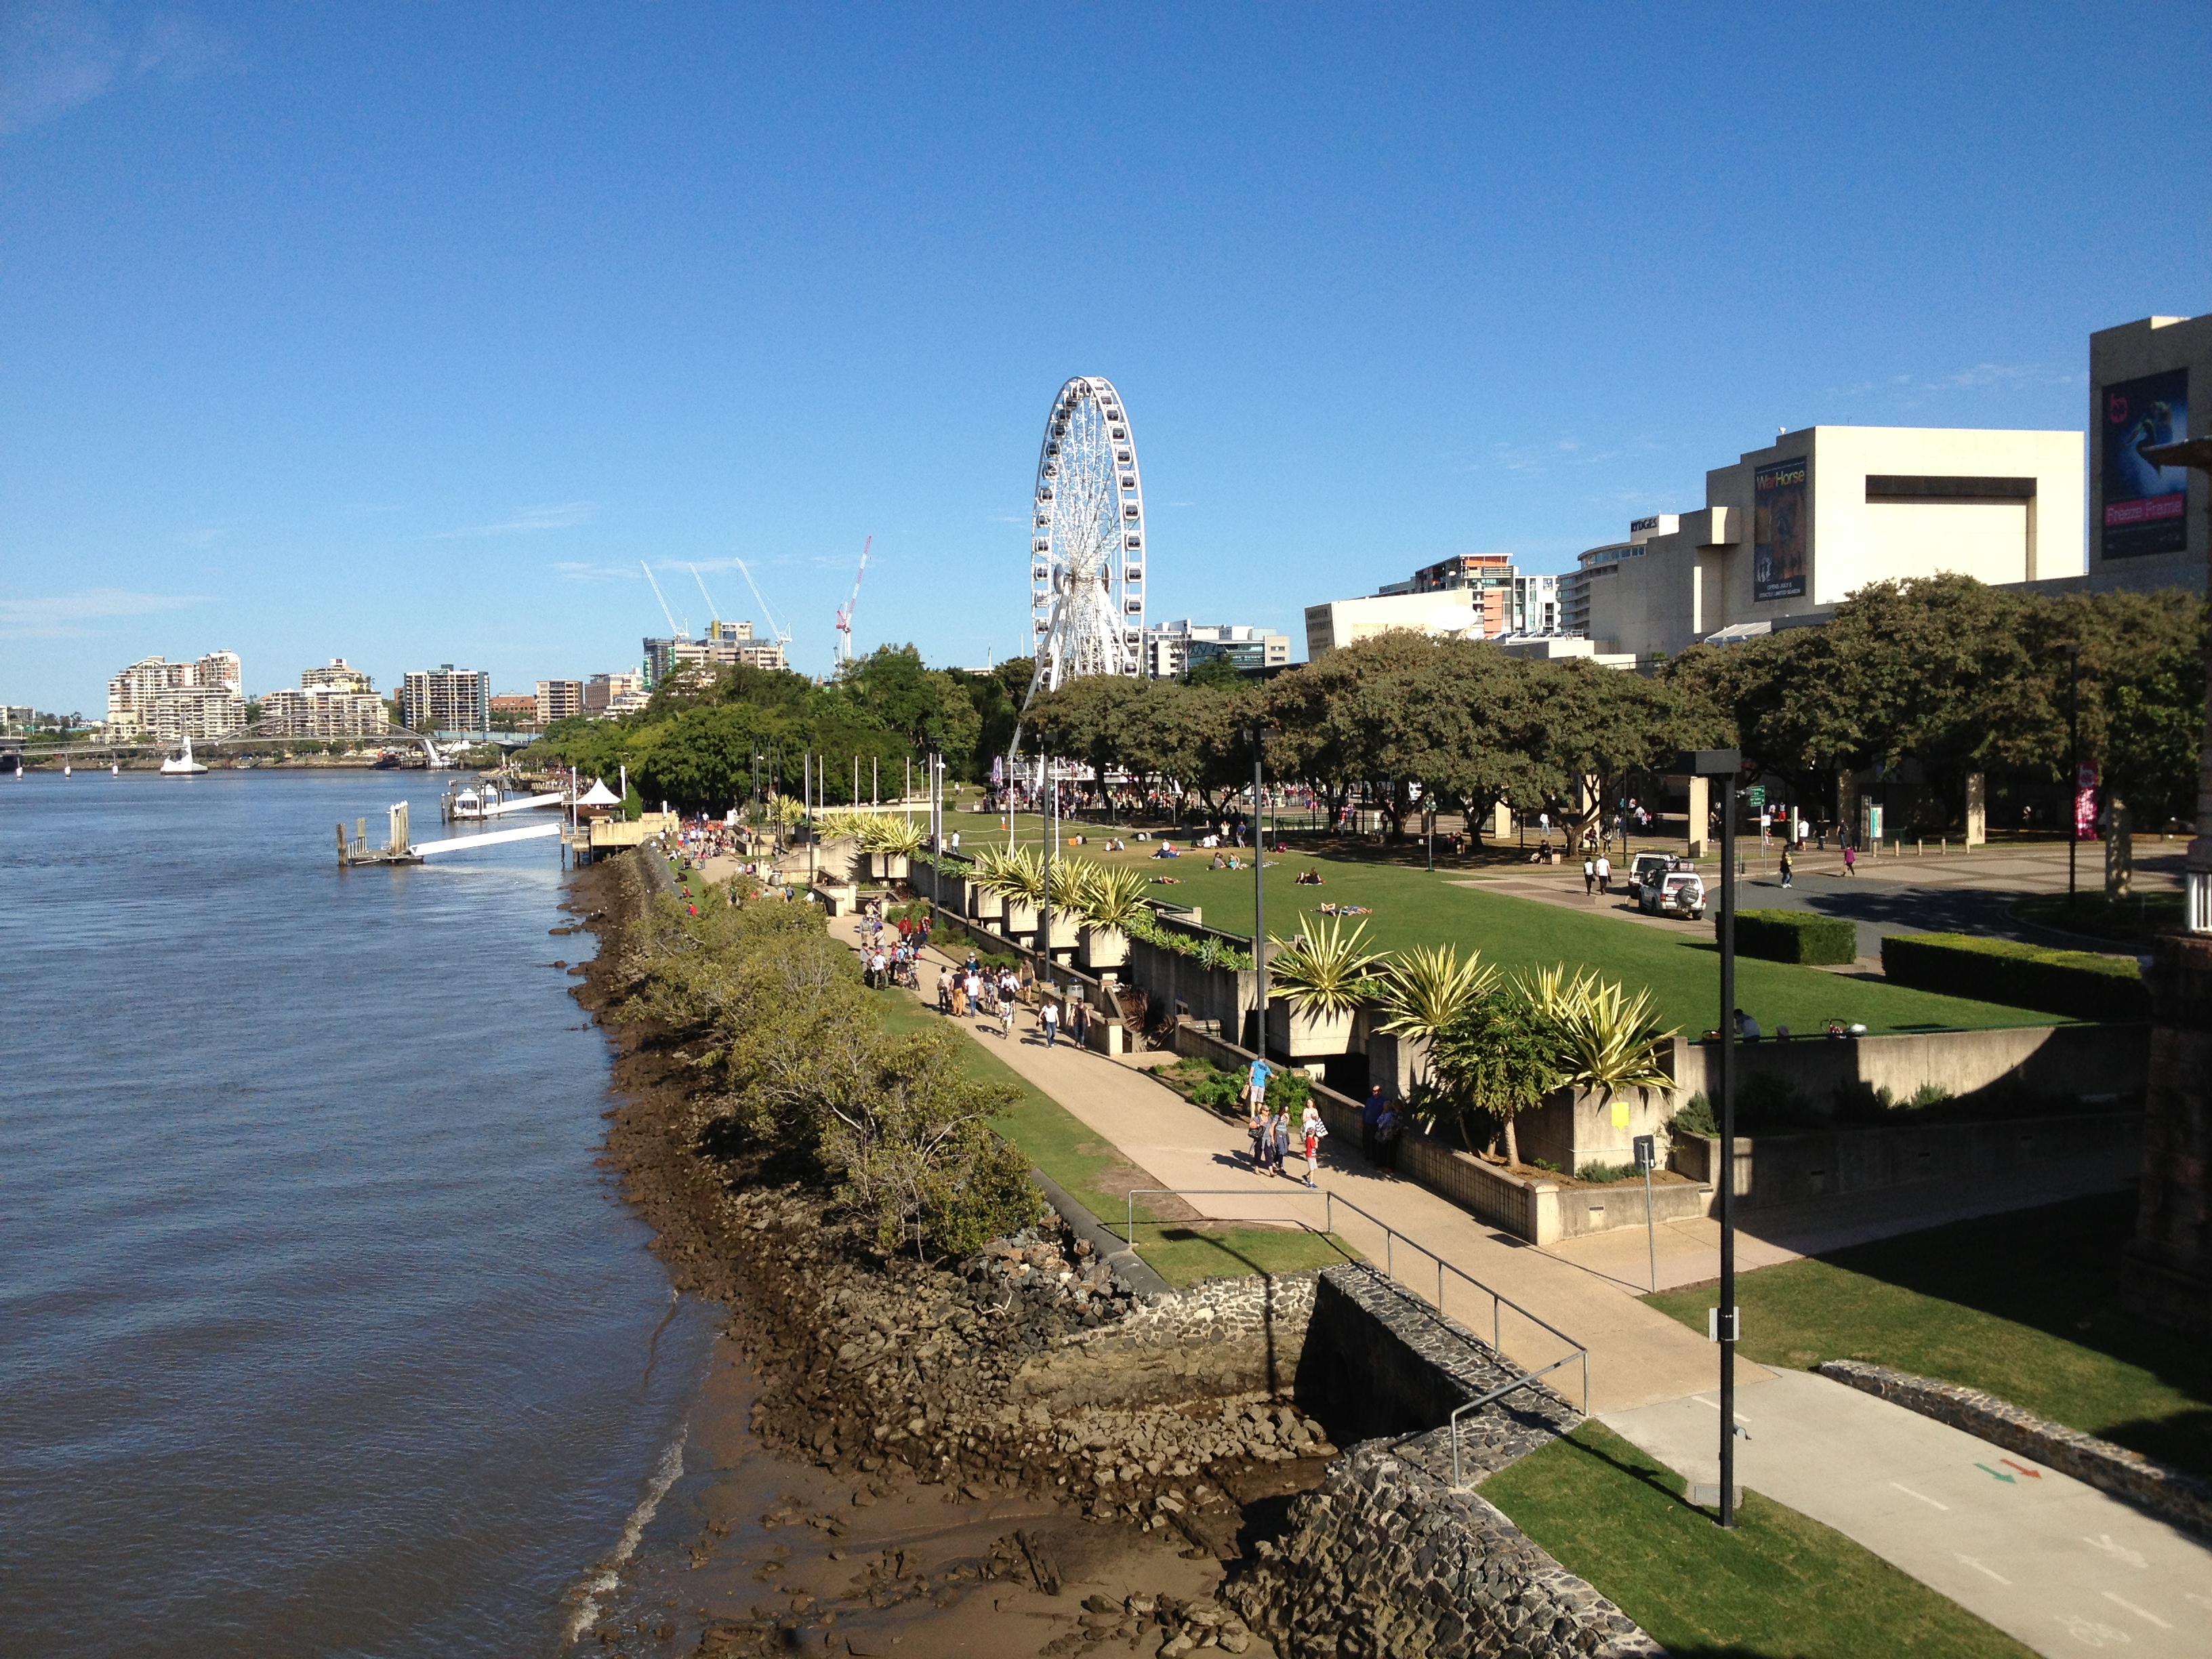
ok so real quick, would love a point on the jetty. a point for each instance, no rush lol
(396, 849)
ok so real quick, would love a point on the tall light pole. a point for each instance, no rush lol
(2073, 763)
(1725, 765)
(2197, 872)
(1257, 736)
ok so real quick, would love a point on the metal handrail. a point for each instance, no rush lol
(1498, 1299)
(1496, 1394)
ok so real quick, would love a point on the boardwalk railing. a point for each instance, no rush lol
(1391, 1239)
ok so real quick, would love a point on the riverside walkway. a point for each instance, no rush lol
(2052, 1562)
(1639, 1356)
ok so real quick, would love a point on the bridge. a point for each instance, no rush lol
(16, 744)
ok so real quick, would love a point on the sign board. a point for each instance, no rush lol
(1777, 533)
(2143, 504)
(1647, 1153)
(1755, 798)
(2085, 802)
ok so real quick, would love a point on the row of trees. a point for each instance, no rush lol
(1944, 671)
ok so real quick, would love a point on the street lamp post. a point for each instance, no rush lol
(2073, 763)
(2197, 874)
(1258, 739)
(1725, 765)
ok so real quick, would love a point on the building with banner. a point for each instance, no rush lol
(1789, 531)
(2147, 523)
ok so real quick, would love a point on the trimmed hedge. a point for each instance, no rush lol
(2080, 984)
(1794, 936)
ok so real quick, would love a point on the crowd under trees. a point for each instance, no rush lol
(1942, 676)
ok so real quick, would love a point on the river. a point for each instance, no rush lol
(321, 1329)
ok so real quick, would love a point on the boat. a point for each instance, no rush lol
(115, 769)
(181, 764)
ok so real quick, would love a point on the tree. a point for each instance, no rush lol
(1498, 1056)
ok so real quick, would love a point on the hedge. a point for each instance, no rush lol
(1794, 936)
(2080, 984)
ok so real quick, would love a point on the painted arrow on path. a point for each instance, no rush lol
(1996, 1474)
(2022, 1468)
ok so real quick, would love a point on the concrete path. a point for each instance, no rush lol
(2051, 1561)
(1636, 1355)
(1689, 1250)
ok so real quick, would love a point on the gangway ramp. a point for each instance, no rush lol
(493, 838)
(498, 807)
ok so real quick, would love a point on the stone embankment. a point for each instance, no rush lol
(1385, 1558)
(2170, 1494)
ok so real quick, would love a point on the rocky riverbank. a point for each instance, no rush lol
(1026, 1383)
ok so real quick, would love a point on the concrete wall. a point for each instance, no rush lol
(2058, 1060)
(1789, 1169)
(1223, 1337)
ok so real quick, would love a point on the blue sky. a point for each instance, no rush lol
(404, 332)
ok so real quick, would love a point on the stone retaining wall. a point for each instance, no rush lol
(1220, 1337)
(2173, 1496)
(1399, 1562)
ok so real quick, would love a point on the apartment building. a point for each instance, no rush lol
(1172, 649)
(171, 700)
(613, 693)
(1483, 596)
(727, 645)
(446, 699)
(559, 700)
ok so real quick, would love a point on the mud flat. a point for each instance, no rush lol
(1011, 1454)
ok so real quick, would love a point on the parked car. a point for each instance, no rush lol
(1677, 893)
(1648, 868)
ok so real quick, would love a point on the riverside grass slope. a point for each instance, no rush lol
(1413, 907)
(1096, 1174)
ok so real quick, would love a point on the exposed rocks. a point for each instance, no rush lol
(1386, 1559)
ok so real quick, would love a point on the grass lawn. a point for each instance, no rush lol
(2019, 1304)
(1680, 964)
(1779, 1587)
(1097, 1175)
(2124, 921)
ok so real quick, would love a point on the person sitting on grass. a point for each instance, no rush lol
(1307, 877)
(1219, 863)
(1167, 850)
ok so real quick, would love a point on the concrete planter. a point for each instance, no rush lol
(1066, 930)
(1575, 1126)
(888, 867)
(1396, 1062)
(1020, 918)
(1302, 1035)
(983, 904)
(1104, 947)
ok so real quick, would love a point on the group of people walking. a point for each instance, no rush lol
(1381, 1122)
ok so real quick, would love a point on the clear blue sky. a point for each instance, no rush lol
(404, 332)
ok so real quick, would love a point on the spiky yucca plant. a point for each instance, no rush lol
(1113, 897)
(1325, 970)
(1612, 1041)
(1423, 989)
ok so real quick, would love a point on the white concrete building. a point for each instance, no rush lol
(1790, 530)
(446, 699)
(1172, 648)
(2147, 525)
(203, 698)
(559, 700)
(602, 692)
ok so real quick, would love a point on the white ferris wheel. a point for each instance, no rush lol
(1087, 541)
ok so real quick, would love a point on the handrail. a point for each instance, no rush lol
(1498, 1299)
(1496, 1394)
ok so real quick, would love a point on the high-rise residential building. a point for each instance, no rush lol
(1172, 649)
(446, 699)
(559, 700)
(1483, 596)
(515, 706)
(335, 700)
(727, 645)
(171, 700)
(603, 692)
(338, 676)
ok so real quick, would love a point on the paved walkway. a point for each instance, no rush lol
(2049, 1560)
(1636, 1355)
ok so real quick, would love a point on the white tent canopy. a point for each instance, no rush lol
(599, 795)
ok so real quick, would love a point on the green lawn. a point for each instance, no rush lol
(2022, 1305)
(1097, 1175)
(2129, 921)
(1780, 1586)
(1680, 964)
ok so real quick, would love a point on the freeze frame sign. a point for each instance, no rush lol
(2145, 507)
(1777, 533)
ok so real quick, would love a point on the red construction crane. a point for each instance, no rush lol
(845, 615)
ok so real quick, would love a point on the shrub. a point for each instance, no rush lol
(2075, 984)
(1694, 1118)
(1794, 936)
(1604, 1175)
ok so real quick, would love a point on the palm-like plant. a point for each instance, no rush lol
(1325, 971)
(785, 809)
(1016, 876)
(1113, 897)
(1423, 989)
(897, 837)
(1498, 1055)
(1612, 1041)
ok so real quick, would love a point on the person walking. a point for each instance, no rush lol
(1006, 1018)
(1278, 1139)
(1850, 860)
(1258, 1128)
(1313, 1129)
(1386, 1129)
(1589, 875)
(1049, 1020)
(1604, 875)
(1785, 866)
(1370, 1114)
(1079, 1023)
(1255, 1083)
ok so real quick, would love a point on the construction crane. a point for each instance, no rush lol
(845, 615)
(713, 611)
(782, 636)
(674, 631)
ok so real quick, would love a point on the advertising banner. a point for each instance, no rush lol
(2144, 504)
(1777, 532)
(2085, 802)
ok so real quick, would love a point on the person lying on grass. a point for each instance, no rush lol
(1347, 909)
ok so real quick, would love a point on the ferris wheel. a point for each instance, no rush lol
(1086, 541)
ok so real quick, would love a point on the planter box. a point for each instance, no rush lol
(1575, 1127)
(985, 905)
(1303, 1035)
(888, 867)
(1104, 947)
(1066, 930)
(1396, 1062)
(1020, 918)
